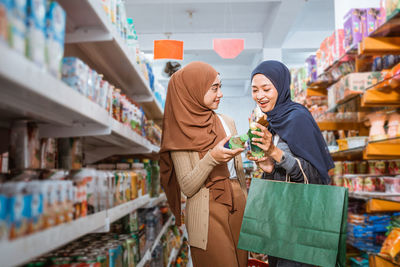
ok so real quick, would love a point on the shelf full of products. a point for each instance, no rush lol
(351, 87)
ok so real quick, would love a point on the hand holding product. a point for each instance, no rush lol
(222, 154)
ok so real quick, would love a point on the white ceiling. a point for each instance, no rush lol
(295, 26)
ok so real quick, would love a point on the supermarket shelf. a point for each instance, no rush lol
(147, 255)
(28, 92)
(126, 208)
(375, 97)
(39, 243)
(92, 37)
(390, 28)
(121, 141)
(156, 200)
(383, 149)
(153, 110)
(318, 85)
(379, 46)
(317, 91)
(42, 242)
(349, 154)
(332, 125)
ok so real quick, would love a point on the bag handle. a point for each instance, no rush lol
(302, 171)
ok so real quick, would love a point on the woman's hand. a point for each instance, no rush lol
(265, 163)
(266, 143)
(222, 154)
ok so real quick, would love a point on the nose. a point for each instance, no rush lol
(220, 94)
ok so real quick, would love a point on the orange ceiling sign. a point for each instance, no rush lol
(228, 48)
(168, 49)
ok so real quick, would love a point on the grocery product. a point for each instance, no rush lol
(55, 33)
(392, 184)
(391, 246)
(24, 146)
(3, 218)
(254, 149)
(4, 20)
(394, 125)
(75, 74)
(394, 166)
(48, 148)
(238, 141)
(36, 31)
(36, 219)
(348, 167)
(17, 22)
(70, 153)
(353, 27)
(377, 167)
(373, 20)
(377, 130)
(391, 6)
(19, 208)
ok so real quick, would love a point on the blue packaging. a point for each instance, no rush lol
(35, 32)
(3, 217)
(75, 74)
(18, 215)
(17, 24)
(55, 33)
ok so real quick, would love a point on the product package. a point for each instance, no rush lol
(373, 20)
(70, 153)
(17, 23)
(24, 146)
(4, 19)
(311, 68)
(36, 31)
(55, 33)
(392, 7)
(353, 27)
(75, 74)
(339, 50)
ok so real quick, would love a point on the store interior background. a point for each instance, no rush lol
(285, 30)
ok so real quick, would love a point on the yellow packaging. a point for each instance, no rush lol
(134, 191)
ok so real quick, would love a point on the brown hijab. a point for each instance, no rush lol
(191, 126)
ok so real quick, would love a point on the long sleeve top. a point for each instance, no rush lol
(288, 165)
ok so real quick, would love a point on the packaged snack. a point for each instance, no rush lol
(237, 141)
(339, 44)
(17, 23)
(394, 125)
(362, 167)
(337, 181)
(379, 184)
(3, 218)
(394, 166)
(103, 95)
(392, 184)
(36, 29)
(377, 167)
(80, 179)
(116, 104)
(55, 32)
(353, 27)
(24, 146)
(36, 216)
(391, 246)
(19, 208)
(48, 190)
(48, 148)
(369, 184)
(377, 130)
(70, 153)
(5, 6)
(75, 74)
(92, 196)
(338, 170)
(348, 167)
(357, 184)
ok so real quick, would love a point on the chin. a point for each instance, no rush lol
(266, 109)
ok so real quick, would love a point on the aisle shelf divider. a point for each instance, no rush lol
(50, 239)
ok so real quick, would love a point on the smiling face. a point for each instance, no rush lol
(264, 92)
(213, 95)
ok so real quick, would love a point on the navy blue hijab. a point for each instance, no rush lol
(293, 122)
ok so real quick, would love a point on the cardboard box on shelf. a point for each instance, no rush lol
(353, 27)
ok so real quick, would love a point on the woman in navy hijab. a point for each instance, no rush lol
(292, 135)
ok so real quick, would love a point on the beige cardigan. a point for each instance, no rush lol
(191, 173)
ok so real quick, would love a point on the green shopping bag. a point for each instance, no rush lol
(299, 222)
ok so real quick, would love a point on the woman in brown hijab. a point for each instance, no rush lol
(194, 160)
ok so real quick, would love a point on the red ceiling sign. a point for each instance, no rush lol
(228, 48)
(168, 49)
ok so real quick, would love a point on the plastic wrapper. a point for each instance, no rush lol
(36, 31)
(55, 31)
(391, 246)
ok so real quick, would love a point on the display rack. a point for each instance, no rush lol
(45, 241)
(92, 37)
(337, 125)
(28, 92)
(147, 255)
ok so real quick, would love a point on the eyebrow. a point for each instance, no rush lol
(266, 84)
(216, 84)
